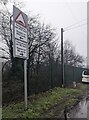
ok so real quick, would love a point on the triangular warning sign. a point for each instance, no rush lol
(20, 19)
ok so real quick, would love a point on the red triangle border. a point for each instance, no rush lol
(23, 19)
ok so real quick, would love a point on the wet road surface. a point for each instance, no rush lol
(80, 111)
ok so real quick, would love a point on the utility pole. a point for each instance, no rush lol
(62, 60)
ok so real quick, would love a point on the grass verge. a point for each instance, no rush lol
(0, 113)
(47, 104)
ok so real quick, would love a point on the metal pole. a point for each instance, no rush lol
(65, 113)
(25, 84)
(11, 42)
(1, 90)
(62, 61)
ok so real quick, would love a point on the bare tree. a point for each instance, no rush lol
(40, 37)
(71, 57)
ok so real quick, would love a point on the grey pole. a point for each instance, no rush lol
(62, 61)
(0, 90)
(25, 84)
(11, 42)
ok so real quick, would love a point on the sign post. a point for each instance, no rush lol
(25, 83)
(20, 42)
(0, 89)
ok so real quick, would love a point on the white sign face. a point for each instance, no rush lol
(20, 48)
(20, 32)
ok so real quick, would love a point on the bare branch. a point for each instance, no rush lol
(4, 50)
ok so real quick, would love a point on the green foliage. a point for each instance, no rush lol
(41, 103)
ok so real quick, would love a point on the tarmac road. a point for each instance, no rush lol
(82, 109)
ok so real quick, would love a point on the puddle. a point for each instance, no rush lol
(81, 110)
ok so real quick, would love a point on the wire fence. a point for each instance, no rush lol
(45, 78)
(50, 77)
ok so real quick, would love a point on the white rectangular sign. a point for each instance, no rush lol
(20, 48)
(20, 32)
(20, 42)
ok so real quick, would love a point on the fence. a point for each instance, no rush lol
(73, 74)
(50, 76)
(43, 79)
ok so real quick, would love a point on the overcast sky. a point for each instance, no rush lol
(61, 14)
